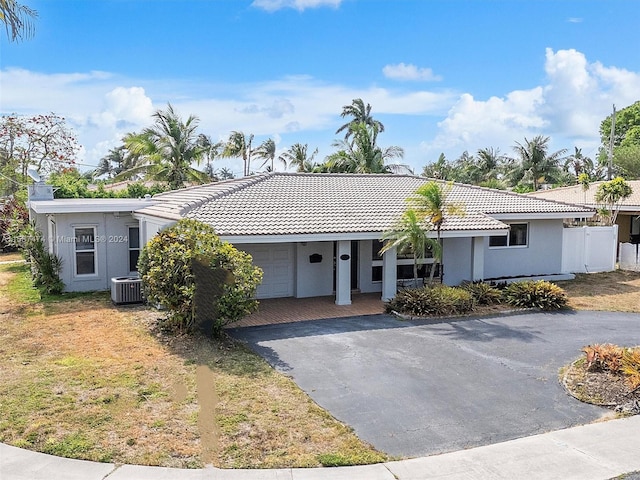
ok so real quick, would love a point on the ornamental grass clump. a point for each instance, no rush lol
(535, 294)
(483, 293)
(431, 300)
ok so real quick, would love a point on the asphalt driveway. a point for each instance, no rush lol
(425, 387)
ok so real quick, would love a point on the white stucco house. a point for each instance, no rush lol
(313, 234)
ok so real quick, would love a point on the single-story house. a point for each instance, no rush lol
(628, 220)
(313, 234)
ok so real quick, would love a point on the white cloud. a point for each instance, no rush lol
(575, 20)
(568, 107)
(300, 5)
(403, 71)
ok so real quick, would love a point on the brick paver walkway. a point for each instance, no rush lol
(285, 310)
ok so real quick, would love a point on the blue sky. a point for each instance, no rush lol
(442, 75)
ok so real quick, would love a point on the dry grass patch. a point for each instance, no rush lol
(617, 291)
(83, 379)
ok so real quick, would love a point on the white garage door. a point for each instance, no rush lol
(276, 262)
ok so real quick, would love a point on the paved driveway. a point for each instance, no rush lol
(420, 388)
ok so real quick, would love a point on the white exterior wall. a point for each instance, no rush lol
(111, 247)
(457, 260)
(314, 279)
(541, 256)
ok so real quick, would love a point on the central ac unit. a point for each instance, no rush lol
(126, 290)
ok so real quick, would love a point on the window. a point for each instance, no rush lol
(518, 237)
(85, 250)
(404, 264)
(134, 248)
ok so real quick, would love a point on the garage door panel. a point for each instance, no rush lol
(277, 264)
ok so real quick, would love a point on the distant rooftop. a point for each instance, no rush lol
(575, 194)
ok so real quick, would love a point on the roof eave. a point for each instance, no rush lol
(543, 215)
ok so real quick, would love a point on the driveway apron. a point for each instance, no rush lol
(415, 388)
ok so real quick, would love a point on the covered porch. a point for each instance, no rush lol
(290, 309)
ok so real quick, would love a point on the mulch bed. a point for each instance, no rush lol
(601, 388)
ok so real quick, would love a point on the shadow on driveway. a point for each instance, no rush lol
(415, 388)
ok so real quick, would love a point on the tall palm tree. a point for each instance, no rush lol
(267, 152)
(297, 156)
(239, 146)
(167, 150)
(411, 235)
(362, 154)
(211, 150)
(577, 164)
(432, 204)
(359, 113)
(534, 162)
(17, 19)
(116, 161)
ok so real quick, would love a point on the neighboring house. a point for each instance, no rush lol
(319, 234)
(628, 217)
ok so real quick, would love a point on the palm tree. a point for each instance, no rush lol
(360, 114)
(224, 174)
(534, 161)
(362, 154)
(440, 169)
(266, 151)
(116, 161)
(297, 156)
(17, 19)
(167, 150)
(239, 146)
(411, 234)
(432, 204)
(211, 150)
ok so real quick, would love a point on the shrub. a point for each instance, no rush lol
(168, 266)
(483, 293)
(617, 360)
(14, 216)
(535, 294)
(45, 266)
(431, 300)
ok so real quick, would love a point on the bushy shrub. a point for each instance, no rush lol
(431, 300)
(535, 294)
(167, 265)
(483, 293)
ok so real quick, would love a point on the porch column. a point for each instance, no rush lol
(343, 272)
(477, 259)
(389, 274)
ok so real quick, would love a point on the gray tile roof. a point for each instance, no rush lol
(298, 203)
(575, 194)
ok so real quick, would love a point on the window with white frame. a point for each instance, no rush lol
(518, 237)
(404, 268)
(85, 250)
(134, 248)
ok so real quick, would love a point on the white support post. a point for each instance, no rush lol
(343, 273)
(477, 255)
(389, 274)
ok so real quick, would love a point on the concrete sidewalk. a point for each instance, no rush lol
(597, 451)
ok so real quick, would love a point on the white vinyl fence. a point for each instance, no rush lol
(630, 257)
(589, 249)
